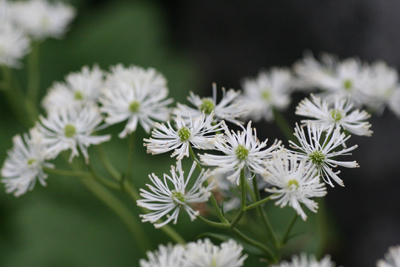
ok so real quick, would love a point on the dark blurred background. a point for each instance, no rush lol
(195, 43)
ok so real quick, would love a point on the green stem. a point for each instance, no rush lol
(283, 125)
(257, 204)
(102, 179)
(15, 97)
(33, 73)
(107, 164)
(214, 202)
(131, 221)
(131, 146)
(257, 244)
(213, 224)
(263, 214)
(82, 174)
(288, 230)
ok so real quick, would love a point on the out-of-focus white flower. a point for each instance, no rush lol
(136, 95)
(268, 91)
(14, 45)
(81, 88)
(384, 89)
(347, 79)
(205, 254)
(394, 102)
(337, 116)
(71, 128)
(42, 19)
(311, 73)
(242, 151)
(392, 258)
(199, 133)
(24, 164)
(164, 198)
(227, 109)
(321, 147)
(165, 256)
(293, 182)
(304, 261)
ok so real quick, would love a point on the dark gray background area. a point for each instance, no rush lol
(234, 39)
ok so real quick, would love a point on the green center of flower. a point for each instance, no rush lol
(293, 182)
(178, 197)
(184, 134)
(347, 84)
(336, 115)
(134, 106)
(266, 94)
(69, 130)
(317, 157)
(78, 95)
(242, 152)
(31, 161)
(207, 105)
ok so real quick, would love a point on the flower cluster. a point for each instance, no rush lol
(75, 114)
(373, 85)
(24, 21)
(202, 253)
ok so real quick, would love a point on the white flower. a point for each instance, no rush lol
(14, 45)
(81, 88)
(136, 95)
(227, 109)
(311, 73)
(392, 258)
(268, 91)
(304, 261)
(41, 19)
(71, 128)
(24, 164)
(199, 134)
(345, 79)
(384, 81)
(337, 116)
(384, 88)
(293, 182)
(242, 151)
(165, 256)
(205, 254)
(321, 147)
(167, 200)
(394, 102)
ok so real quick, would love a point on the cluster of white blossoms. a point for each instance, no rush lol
(24, 21)
(374, 86)
(202, 253)
(76, 110)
